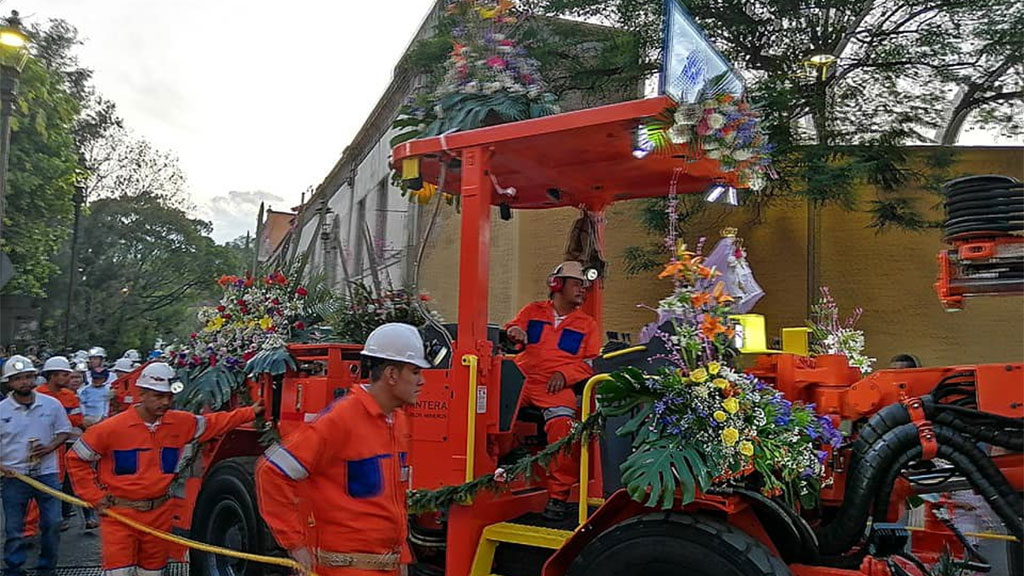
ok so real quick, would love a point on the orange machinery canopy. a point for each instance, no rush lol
(587, 156)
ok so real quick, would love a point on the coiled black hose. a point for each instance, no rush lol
(887, 455)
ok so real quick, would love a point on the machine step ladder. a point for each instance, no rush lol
(512, 533)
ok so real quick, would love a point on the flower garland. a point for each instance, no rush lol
(703, 422)
(831, 335)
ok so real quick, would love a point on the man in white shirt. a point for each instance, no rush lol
(32, 427)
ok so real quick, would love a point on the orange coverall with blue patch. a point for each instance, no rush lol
(122, 457)
(353, 460)
(567, 348)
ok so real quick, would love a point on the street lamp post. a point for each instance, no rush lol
(79, 199)
(820, 63)
(13, 55)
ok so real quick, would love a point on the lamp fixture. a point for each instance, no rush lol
(719, 190)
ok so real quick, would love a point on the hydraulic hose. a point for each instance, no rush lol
(886, 456)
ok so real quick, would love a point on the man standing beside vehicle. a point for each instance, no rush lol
(32, 427)
(128, 461)
(560, 341)
(354, 460)
(57, 371)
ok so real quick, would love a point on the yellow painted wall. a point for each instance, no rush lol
(889, 274)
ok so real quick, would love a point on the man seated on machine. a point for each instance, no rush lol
(560, 342)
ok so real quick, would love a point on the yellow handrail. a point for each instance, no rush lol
(623, 352)
(471, 361)
(588, 394)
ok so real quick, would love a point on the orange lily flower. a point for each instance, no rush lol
(705, 272)
(711, 327)
(700, 299)
(673, 268)
(719, 294)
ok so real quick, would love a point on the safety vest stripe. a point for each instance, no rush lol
(74, 411)
(84, 451)
(558, 412)
(144, 572)
(286, 463)
(200, 426)
(126, 571)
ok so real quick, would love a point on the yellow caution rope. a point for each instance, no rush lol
(285, 562)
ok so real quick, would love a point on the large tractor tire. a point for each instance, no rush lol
(226, 515)
(669, 544)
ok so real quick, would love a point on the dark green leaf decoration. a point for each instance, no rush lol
(211, 386)
(627, 390)
(273, 361)
(656, 470)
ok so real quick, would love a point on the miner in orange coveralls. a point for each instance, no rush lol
(57, 371)
(353, 460)
(560, 340)
(127, 462)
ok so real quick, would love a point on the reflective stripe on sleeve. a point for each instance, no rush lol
(84, 451)
(200, 427)
(286, 463)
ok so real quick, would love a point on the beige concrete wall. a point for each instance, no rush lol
(890, 274)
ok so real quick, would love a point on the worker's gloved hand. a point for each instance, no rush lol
(7, 472)
(518, 334)
(257, 407)
(303, 557)
(556, 383)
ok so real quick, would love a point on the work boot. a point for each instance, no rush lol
(556, 510)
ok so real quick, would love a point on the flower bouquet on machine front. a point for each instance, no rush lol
(699, 422)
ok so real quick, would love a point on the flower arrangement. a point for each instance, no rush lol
(489, 78)
(701, 422)
(361, 311)
(719, 126)
(254, 313)
(832, 335)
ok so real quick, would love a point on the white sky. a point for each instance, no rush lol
(257, 98)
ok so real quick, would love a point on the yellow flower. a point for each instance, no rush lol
(746, 448)
(215, 324)
(714, 367)
(720, 383)
(730, 436)
(266, 322)
(699, 375)
(720, 416)
(731, 405)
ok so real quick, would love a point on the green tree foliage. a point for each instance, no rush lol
(43, 159)
(144, 266)
(905, 72)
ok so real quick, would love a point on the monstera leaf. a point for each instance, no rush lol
(273, 361)
(627, 390)
(207, 387)
(657, 469)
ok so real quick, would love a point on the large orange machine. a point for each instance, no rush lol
(909, 429)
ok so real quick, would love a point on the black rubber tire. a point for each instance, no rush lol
(226, 515)
(670, 543)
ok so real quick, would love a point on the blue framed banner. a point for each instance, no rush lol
(688, 60)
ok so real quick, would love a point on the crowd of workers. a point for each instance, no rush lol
(333, 493)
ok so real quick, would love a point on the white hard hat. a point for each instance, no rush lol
(396, 341)
(81, 366)
(56, 364)
(132, 355)
(17, 364)
(123, 365)
(572, 269)
(80, 355)
(160, 377)
(97, 351)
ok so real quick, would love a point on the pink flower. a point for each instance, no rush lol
(301, 291)
(496, 62)
(300, 325)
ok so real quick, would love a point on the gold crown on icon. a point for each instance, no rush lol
(729, 232)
